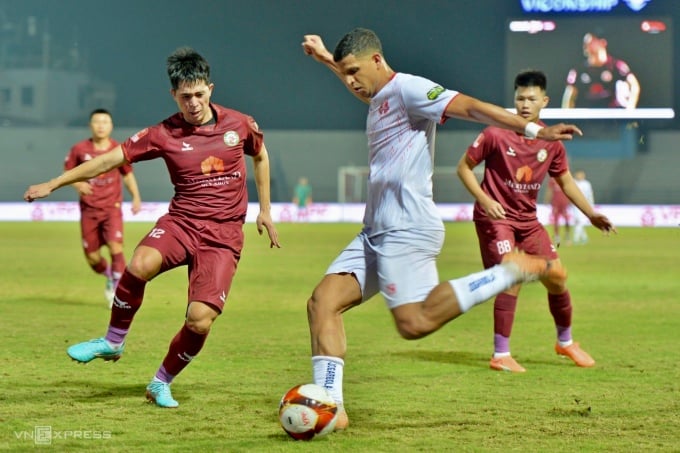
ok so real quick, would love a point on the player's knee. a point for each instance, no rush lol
(327, 300)
(199, 326)
(556, 282)
(317, 306)
(411, 330)
(93, 259)
(115, 247)
(144, 266)
(200, 317)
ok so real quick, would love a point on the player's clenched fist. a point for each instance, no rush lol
(314, 46)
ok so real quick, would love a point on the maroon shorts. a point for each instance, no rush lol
(211, 251)
(559, 212)
(99, 227)
(496, 238)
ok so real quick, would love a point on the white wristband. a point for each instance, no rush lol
(531, 129)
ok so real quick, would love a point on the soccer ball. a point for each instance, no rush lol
(307, 411)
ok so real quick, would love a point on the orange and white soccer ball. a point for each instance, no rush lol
(307, 411)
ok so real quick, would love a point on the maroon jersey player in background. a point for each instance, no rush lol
(204, 147)
(505, 214)
(100, 200)
(559, 211)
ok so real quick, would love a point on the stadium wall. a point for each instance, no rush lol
(32, 155)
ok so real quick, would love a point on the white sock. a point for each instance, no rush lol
(479, 287)
(328, 374)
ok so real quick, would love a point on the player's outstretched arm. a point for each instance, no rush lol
(571, 190)
(86, 170)
(314, 47)
(468, 108)
(131, 185)
(264, 218)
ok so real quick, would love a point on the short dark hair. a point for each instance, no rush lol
(100, 111)
(357, 42)
(531, 78)
(185, 65)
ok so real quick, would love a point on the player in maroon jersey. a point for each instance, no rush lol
(204, 147)
(559, 211)
(101, 216)
(505, 213)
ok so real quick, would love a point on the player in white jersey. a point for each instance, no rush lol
(580, 220)
(395, 252)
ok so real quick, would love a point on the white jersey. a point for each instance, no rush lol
(586, 189)
(401, 125)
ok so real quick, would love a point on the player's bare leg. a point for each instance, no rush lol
(450, 299)
(334, 295)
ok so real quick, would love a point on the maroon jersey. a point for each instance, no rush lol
(206, 163)
(107, 188)
(559, 200)
(515, 169)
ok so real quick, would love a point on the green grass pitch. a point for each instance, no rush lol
(430, 395)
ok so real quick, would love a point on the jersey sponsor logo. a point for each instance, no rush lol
(187, 147)
(435, 92)
(135, 138)
(212, 164)
(523, 187)
(231, 138)
(524, 174)
(523, 178)
(542, 155)
(511, 152)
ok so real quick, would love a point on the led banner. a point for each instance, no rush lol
(620, 215)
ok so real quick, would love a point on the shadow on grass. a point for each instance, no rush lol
(452, 357)
(59, 300)
(476, 360)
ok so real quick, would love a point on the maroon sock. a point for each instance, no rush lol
(128, 299)
(117, 265)
(504, 313)
(101, 266)
(560, 308)
(183, 348)
(503, 316)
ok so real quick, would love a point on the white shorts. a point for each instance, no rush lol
(401, 265)
(579, 217)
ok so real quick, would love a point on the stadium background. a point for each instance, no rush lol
(312, 126)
